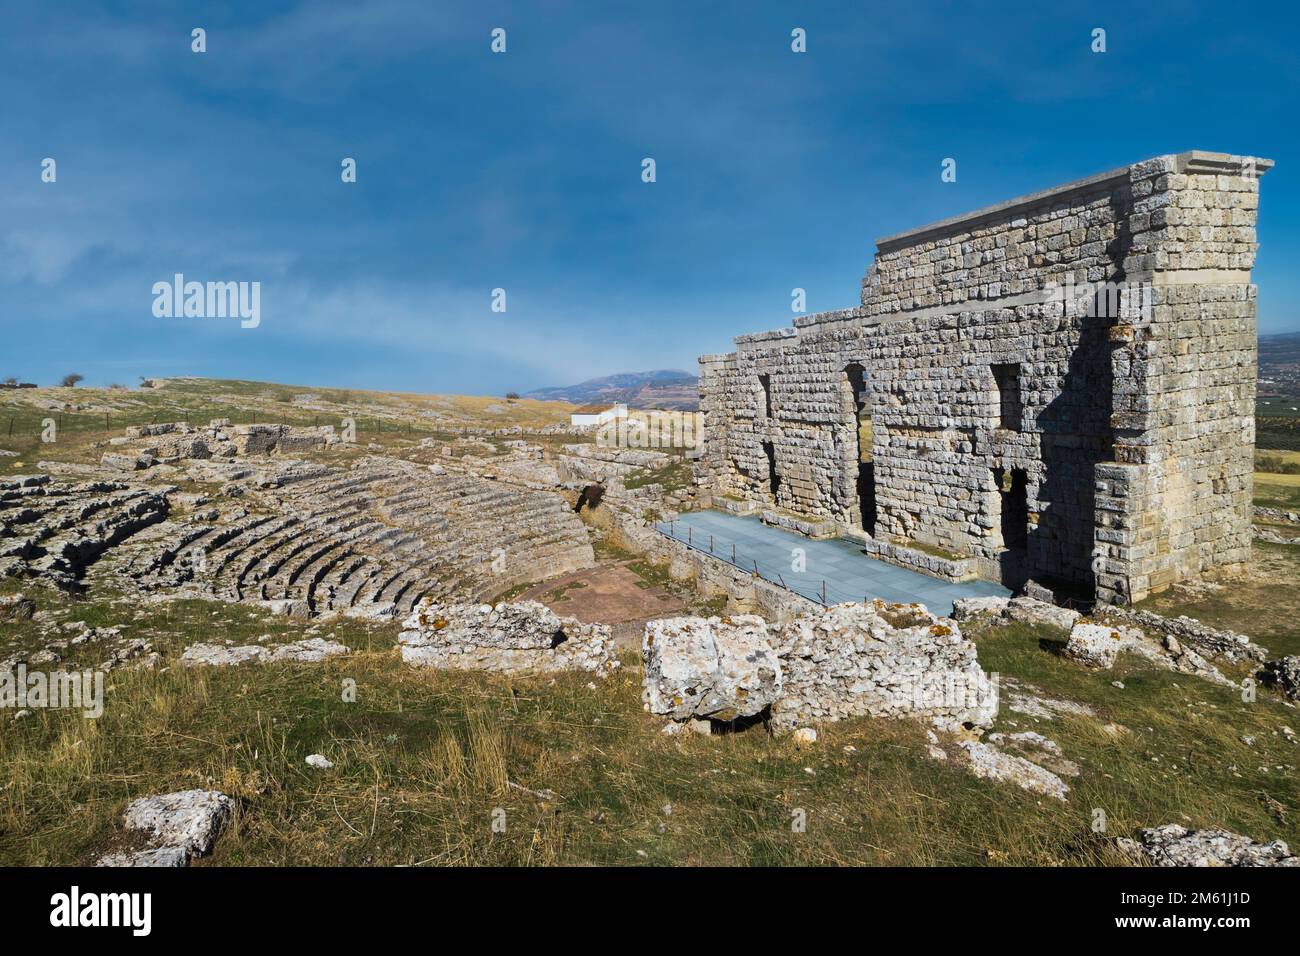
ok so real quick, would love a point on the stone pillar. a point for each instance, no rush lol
(1176, 498)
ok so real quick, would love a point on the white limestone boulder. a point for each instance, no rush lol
(178, 827)
(522, 637)
(963, 609)
(1031, 611)
(1095, 645)
(1172, 845)
(987, 761)
(721, 668)
(880, 660)
(307, 651)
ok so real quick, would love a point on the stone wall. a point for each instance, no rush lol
(1060, 386)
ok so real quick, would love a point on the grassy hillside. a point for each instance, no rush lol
(85, 415)
(424, 760)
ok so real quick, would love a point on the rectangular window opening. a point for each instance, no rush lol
(1007, 380)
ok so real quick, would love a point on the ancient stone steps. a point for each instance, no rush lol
(56, 531)
(245, 569)
(257, 540)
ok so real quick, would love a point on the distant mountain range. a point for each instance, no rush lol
(673, 389)
(670, 389)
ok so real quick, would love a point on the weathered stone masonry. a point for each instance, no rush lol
(1061, 386)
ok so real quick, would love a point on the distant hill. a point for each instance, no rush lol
(663, 388)
(1280, 349)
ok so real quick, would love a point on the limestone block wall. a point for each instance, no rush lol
(1061, 386)
(1176, 497)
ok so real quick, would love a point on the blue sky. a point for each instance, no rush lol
(522, 170)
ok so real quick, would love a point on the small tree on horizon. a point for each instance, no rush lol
(70, 381)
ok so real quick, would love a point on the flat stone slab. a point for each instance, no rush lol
(310, 650)
(178, 826)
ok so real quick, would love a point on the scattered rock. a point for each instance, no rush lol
(1031, 611)
(702, 727)
(179, 826)
(1039, 749)
(963, 609)
(804, 736)
(16, 607)
(163, 856)
(1094, 645)
(319, 762)
(293, 609)
(879, 660)
(1026, 699)
(1172, 845)
(127, 462)
(987, 761)
(884, 660)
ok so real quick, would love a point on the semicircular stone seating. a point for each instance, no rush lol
(371, 540)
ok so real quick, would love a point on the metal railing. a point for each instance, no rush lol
(803, 583)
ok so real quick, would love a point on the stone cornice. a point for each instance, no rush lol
(1192, 162)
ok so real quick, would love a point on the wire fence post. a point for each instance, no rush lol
(823, 592)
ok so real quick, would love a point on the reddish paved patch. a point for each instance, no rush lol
(609, 594)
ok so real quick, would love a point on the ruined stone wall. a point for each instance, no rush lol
(1175, 499)
(1061, 386)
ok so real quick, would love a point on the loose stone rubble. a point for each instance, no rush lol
(1284, 674)
(115, 650)
(1173, 845)
(521, 637)
(1210, 641)
(16, 607)
(845, 661)
(1060, 386)
(1036, 748)
(1098, 643)
(965, 609)
(178, 826)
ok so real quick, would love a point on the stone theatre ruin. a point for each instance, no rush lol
(1059, 388)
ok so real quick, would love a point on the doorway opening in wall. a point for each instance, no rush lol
(766, 382)
(1010, 411)
(1014, 491)
(855, 378)
(773, 479)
